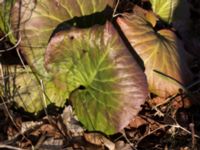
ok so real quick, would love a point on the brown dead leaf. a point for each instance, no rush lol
(47, 129)
(149, 15)
(99, 139)
(121, 145)
(14, 127)
(181, 103)
(52, 131)
(137, 122)
(156, 101)
(25, 144)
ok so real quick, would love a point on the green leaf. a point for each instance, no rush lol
(35, 22)
(28, 92)
(161, 52)
(107, 83)
(171, 10)
(39, 19)
(5, 25)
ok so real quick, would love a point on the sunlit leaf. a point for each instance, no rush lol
(162, 53)
(108, 85)
(22, 87)
(34, 23)
(38, 19)
(171, 10)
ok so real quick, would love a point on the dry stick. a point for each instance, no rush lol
(44, 99)
(167, 100)
(7, 110)
(6, 35)
(21, 60)
(162, 127)
(45, 105)
(129, 142)
(27, 132)
(151, 132)
(187, 131)
(158, 112)
(5, 106)
(40, 141)
(193, 84)
(1, 70)
(42, 87)
(10, 147)
(4, 103)
(191, 125)
(10, 116)
(115, 9)
(11, 48)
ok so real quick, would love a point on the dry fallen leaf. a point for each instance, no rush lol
(137, 122)
(99, 139)
(156, 101)
(121, 145)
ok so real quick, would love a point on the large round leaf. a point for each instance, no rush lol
(36, 20)
(162, 53)
(108, 85)
(27, 92)
(171, 10)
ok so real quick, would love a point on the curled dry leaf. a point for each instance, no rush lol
(162, 52)
(70, 121)
(99, 139)
(107, 84)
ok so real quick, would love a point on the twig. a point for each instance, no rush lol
(44, 97)
(164, 126)
(21, 60)
(191, 125)
(40, 141)
(10, 147)
(6, 35)
(11, 48)
(193, 84)
(151, 132)
(115, 9)
(167, 100)
(129, 142)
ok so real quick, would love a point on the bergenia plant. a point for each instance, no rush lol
(76, 51)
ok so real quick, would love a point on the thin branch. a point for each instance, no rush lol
(10, 147)
(115, 9)
(11, 48)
